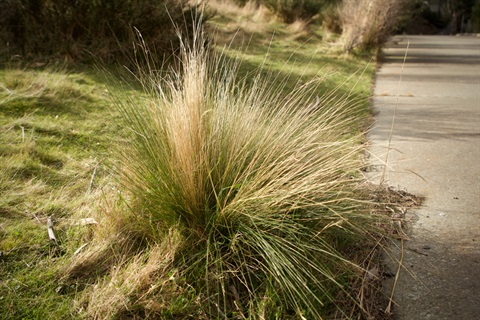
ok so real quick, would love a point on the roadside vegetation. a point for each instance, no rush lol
(226, 183)
(88, 31)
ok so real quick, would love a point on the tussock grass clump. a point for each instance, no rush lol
(236, 197)
(252, 17)
(367, 24)
(299, 27)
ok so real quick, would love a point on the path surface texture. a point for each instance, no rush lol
(428, 122)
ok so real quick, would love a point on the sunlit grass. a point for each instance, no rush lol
(294, 53)
(50, 144)
(258, 186)
(212, 208)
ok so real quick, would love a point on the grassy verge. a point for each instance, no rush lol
(55, 133)
(294, 51)
(58, 129)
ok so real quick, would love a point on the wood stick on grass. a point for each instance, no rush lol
(51, 234)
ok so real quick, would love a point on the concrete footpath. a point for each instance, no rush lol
(433, 151)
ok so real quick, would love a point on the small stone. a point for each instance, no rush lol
(426, 247)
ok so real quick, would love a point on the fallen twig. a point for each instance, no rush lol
(80, 249)
(51, 234)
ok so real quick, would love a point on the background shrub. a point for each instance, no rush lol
(330, 17)
(243, 2)
(81, 29)
(476, 17)
(367, 23)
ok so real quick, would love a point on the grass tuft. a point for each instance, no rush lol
(236, 199)
(366, 24)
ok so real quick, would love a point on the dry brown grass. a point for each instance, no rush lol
(138, 281)
(251, 10)
(367, 23)
(299, 28)
(251, 18)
